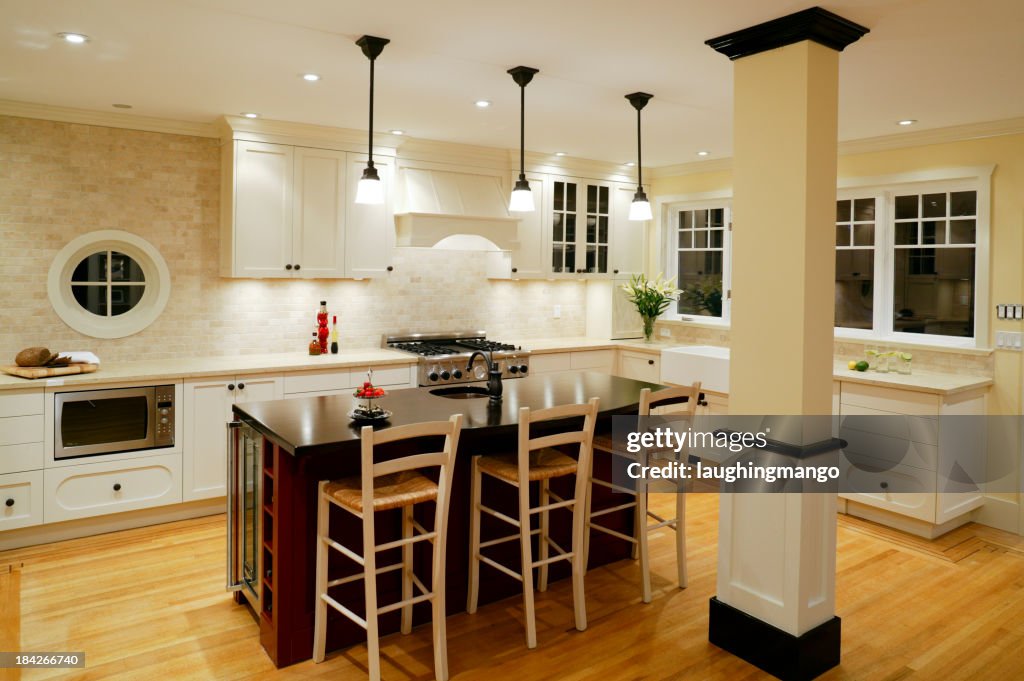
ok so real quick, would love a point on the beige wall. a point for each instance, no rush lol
(60, 180)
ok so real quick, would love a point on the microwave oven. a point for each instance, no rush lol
(95, 422)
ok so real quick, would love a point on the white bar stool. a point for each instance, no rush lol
(666, 401)
(537, 461)
(380, 487)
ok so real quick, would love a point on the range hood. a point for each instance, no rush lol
(436, 205)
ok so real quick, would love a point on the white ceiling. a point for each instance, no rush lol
(943, 62)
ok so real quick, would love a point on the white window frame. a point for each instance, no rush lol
(667, 210)
(969, 178)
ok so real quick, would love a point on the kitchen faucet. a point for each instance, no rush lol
(493, 373)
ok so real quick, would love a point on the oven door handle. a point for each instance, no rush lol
(234, 579)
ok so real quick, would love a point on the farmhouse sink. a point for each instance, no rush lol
(708, 364)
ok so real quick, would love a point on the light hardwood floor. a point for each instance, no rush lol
(150, 604)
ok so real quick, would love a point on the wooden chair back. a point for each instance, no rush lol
(671, 397)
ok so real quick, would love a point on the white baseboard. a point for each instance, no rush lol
(1001, 514)
(904, 523)
(87, 527)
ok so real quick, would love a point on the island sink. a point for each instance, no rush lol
(461, 392)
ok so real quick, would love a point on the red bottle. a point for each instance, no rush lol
(322, 332)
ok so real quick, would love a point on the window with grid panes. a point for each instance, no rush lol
(563, 228)
(701, 237)
(855, 262)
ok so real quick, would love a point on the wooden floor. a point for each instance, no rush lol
(150, 604)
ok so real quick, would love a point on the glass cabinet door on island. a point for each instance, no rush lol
(580, 226)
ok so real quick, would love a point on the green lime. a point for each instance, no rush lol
(861, 366)
(906, 356)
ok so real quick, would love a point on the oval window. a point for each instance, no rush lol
(109, 284)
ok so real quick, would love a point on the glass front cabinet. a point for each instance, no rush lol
(578, 230)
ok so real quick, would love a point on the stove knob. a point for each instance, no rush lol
(513, 369)
(432, 375)
(523, 368)
(457, 373)
(445, 375)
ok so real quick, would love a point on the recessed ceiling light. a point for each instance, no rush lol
(311, 77)
(76, 38)
(559, 153)
(703, 153)
(121, 106)
(907, 121)
(629, 164)
(397, 132)
(250, 114)
(482, 103)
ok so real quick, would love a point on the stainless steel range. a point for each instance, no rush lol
(443, 356)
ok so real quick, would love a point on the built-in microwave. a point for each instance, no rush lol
(94, 422)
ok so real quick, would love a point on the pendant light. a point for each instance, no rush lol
(370, 188)
(640, 209)
(522, 196)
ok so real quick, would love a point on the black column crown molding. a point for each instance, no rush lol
(815, 23)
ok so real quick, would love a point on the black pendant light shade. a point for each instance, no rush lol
(370, 189)
(522, 197)
(640, 209)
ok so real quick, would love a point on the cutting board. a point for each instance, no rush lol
(48, 372)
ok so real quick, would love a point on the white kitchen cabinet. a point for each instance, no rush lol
(629, 238)
(640, 366)
(94, 489)
(899, 440)
(290, 212)
(21, 499)
(576, 360)
(22, 425)
(207, 410)
(531, 258)
(580, 216)
(343, 381)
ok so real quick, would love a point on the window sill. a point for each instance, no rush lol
(709, 323)
(949, 346)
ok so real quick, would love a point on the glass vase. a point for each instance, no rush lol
(648, 328)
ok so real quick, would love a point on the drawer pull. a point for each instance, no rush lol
(241, 386)
(884, 485)
(117, 487)
(9, 503)
(231, 387)
(651, 362)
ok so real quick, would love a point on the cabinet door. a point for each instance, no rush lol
(640, 366)
(258, 388)
(528, 258)
(263, 209)
(594, 238)
(369, 229)
(580, 226)
(207, 411)
(319, 213)
(629, 239)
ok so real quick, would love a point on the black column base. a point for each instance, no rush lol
(781, 654)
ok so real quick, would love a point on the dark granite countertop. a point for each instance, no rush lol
(312, 425)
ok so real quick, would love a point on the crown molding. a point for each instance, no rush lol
(453, 153)
(920, 138)
(106, 119)
(813, 23)
(576, 167)
(302, 135)
(711, 165)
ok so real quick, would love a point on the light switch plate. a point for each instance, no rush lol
(556, 312)
(665, 333)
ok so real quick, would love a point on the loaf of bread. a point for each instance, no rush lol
(34, 357)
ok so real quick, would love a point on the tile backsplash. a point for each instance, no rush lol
(60, 180)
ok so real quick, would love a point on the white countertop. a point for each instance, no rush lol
(152, 370)
(196, 367)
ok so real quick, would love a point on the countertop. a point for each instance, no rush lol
(197, 367)
(313, 425)
(920, 381)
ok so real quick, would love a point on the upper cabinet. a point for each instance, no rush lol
(578, 230)
(288, 212)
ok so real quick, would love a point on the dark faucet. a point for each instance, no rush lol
(493, 373)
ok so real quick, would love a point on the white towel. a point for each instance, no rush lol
(81, 357)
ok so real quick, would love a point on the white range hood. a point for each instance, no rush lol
(453, 210)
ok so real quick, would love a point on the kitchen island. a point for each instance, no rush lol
(303, 441)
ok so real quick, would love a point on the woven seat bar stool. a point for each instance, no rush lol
(392, 484)
(668, 400)
(538, 461)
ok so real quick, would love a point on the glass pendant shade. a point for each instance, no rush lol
(522, 198)
(640, 209)
(370, 189)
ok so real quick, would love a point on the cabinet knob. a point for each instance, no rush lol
(651, 362)
(298, 267)
(391, 268)
(615, 271)
(288, 266)
(241, 386)
(514, 270)
(884, 485)
(231, 387)
(117, 487)
(9, 503)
